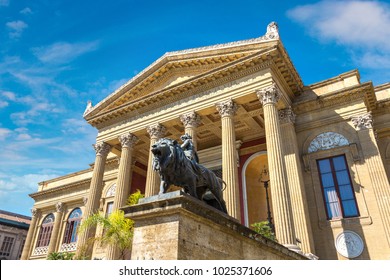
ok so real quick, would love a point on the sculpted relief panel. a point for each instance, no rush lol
(326, 141)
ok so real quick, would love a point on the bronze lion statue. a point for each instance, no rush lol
(175, 168)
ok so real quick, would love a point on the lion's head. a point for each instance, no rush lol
(163, 153)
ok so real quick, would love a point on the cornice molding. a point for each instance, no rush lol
(83, 183)
(339, 98)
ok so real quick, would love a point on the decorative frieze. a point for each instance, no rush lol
(102, 148)
(363, 121)
(287, 116)
(128, 140)
(190, 119)
(326, 141)
(269, 94)
(227, 108)
(156, 130)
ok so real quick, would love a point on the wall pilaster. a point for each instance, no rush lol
(375, 166)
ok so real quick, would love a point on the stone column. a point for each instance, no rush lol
(191, 121)
(28, 245)
(123, 182)
(128, 142)
(152, 179)
(376, 170)
(58, 216)
(284, 225)
(95, 192)
(295, 181)
(231, 195)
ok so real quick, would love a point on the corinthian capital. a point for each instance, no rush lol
(227, 108)
(59, 206)
(128, 140)
(102, 149)
(269, 95)
(362, 122)
(190, 119)
(35, 212)
(286, 116)
(156, 130)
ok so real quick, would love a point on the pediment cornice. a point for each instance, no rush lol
(190, 70)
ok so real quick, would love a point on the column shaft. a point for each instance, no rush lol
(152, 178)
(95, 193)
(31, 232)
(282, 212)
(123, 183)
(229, 159)
(56, 228)
(295, 182)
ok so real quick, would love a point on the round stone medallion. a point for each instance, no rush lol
(349, 244)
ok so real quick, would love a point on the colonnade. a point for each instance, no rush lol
(276, 149)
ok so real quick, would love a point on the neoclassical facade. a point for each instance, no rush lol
(322, 150)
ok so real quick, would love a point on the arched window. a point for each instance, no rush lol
(71, 226)
(46, 230)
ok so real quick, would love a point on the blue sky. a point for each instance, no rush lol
(57, 55)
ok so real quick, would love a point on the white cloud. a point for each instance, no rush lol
(4, 133)
(27, 183)
(26, 11)
(361, 26)
(16, 28)
(63, 52)
(3, 104)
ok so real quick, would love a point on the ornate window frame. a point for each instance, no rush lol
(311, 167)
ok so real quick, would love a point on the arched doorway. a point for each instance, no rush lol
(254, 194)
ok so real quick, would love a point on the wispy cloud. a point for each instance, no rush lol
(63, 52)
(361, 26)
(16, 28)
(26, 11)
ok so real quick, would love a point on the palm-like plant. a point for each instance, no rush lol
(117, 230)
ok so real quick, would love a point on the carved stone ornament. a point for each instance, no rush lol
(88, 108)
(269, 95)
(349, 244)
(34, 212)
(59, 206)
(102, 149)
(362, 122)
(286, 116)
(190, 119)
(128, 140)
(156, 130)
(326, 141)
(272, 31)
(111, 191)
(226, 108)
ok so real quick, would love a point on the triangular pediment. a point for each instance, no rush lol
(183, 70)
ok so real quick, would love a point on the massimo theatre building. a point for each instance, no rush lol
(322, 150)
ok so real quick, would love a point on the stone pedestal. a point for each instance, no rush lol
(176, 226)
